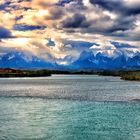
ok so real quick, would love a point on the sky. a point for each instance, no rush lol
(60, 30)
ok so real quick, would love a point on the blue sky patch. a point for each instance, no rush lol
(28, 27)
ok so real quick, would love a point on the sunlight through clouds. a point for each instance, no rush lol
(27, 24)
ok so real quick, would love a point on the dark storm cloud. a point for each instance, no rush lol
(77, 21)
(108, 4)
(19, 17)
(79, 3)
(63, 2)
(118, 6)
(81, 22)
(124, 21)
(4, 6)
(5, 33)
(122, 24)
(9, 6)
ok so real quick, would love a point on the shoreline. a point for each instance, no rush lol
(16, 73)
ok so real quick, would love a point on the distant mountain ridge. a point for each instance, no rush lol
(21, 60)
(120, 59)
(88, 60)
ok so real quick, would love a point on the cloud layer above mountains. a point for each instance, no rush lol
(60, 30)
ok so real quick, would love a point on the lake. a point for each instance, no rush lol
(69, 107)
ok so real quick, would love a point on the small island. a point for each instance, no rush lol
(10, 72)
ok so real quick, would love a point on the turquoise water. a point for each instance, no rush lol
(69, 108)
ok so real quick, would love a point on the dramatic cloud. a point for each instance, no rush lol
(4, 33)
(75, 21)
(126, 7)
(63, 29)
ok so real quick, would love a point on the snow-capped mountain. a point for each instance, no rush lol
(123, 57)
(88, 60)
(22, 60)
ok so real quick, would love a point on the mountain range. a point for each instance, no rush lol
(120, 59)
(88, 60)
(23, 61)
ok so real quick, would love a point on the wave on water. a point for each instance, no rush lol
(89, 88)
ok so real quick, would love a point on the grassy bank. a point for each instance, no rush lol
(126, 75)
(131, 75)
(26, 73)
